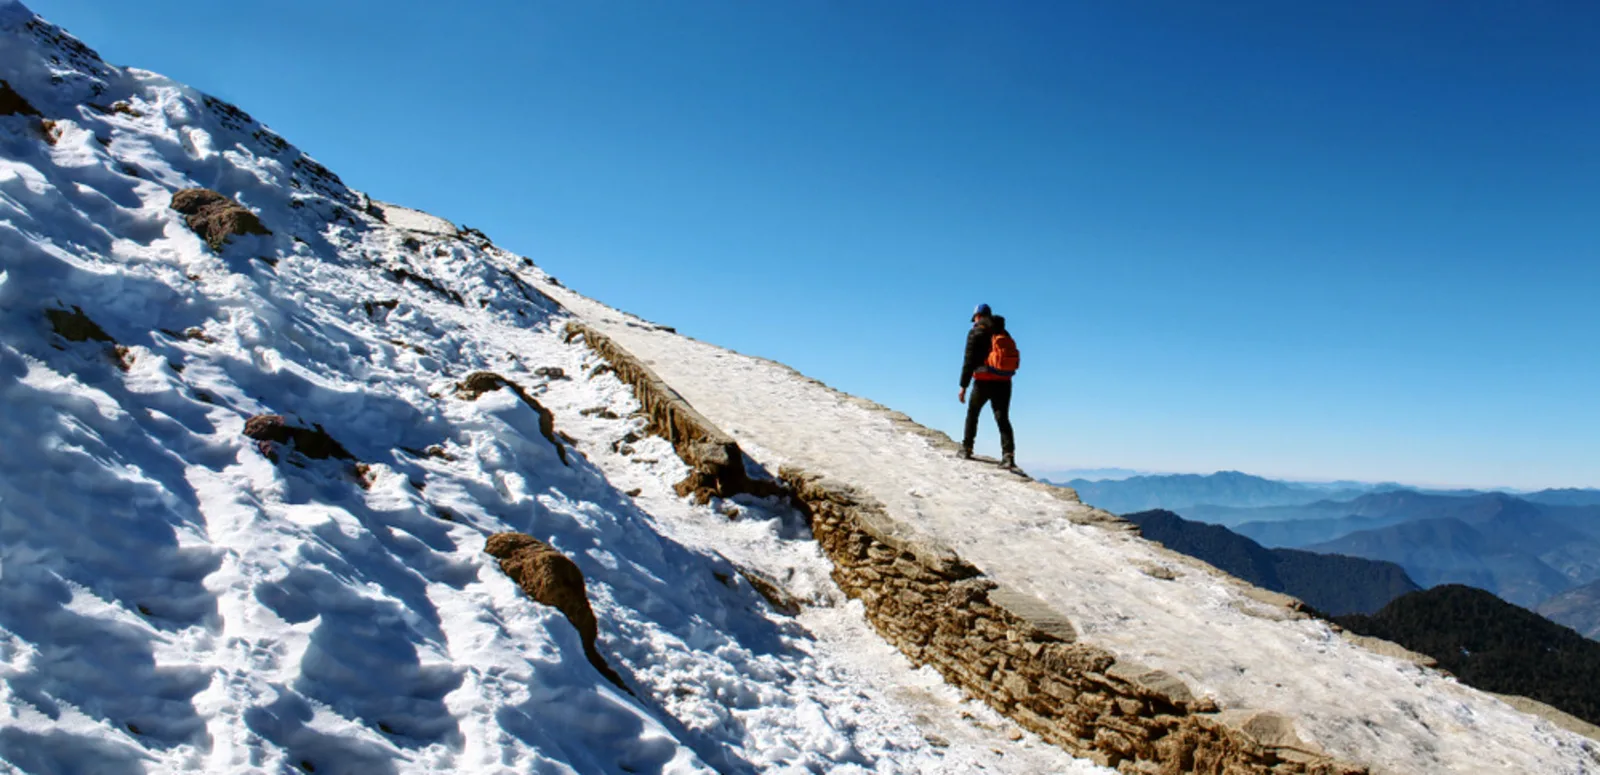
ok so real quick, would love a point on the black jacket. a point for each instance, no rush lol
(978, 344)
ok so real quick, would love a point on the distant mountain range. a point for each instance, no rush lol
(1529, 549)
(1446, 551)
(1329, 583)
(1181, 491)
(1117, 491)
(1523, 551)
(1086, 474)
(1374, 509)
(1565, 497)
(1493, 645)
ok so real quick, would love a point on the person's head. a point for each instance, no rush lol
(981, 313)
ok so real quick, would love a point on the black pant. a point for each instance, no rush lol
(998, 394)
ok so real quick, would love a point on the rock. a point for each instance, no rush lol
(75, 326)
(1158, 571)
(215, 217)
(780, 599)
(1152, 683)
(13, 104)
(479, 382)
(551, 372)
(1269, 729)
(315, 443)
(1046, 625)
(372, 307)
(553, 579)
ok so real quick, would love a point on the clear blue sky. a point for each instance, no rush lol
(1335, 240)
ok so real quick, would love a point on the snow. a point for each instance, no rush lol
(173, 601)
(416, 220)
(1203, 627)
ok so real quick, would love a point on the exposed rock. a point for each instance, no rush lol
(775, 594)
(215, 217)
(402, 274)
(372, 307)
(366, 475)
(13, 104)
(718, 470)
(553, 579)
(403, 344)
(315, 443)
(551, 372)
(192, 333)
(1010, 650)
(479, 382)
(75, 326)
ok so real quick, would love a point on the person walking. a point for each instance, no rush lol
(990, 362)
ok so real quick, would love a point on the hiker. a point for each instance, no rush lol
(991, 360)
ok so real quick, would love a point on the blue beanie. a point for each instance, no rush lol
(983, 309)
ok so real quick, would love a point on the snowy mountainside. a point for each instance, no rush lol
(175, 600)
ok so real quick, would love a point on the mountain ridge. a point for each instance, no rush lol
(1330, 583)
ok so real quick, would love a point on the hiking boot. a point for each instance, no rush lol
(1008, 460)
(966, 453)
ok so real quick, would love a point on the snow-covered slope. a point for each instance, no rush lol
(172, 600)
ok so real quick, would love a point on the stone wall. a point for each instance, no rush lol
(717, 462)
(1014, 653)
(1005, 648)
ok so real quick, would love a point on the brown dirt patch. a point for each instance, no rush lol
(216, 217)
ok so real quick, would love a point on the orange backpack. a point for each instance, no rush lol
(1003, 356)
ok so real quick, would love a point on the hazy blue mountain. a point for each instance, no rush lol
(1489, 555)
(1567, 496)
(1329, 583)
(1584, 519)
(1578, 608)
(1379, 508)
(1493, 645)
(1304, 532)
(1064, 475)
(1182, 491)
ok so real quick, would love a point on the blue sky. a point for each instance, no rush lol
(1357, 240)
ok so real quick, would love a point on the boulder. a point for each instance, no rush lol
(551, 578)
(215, 217)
